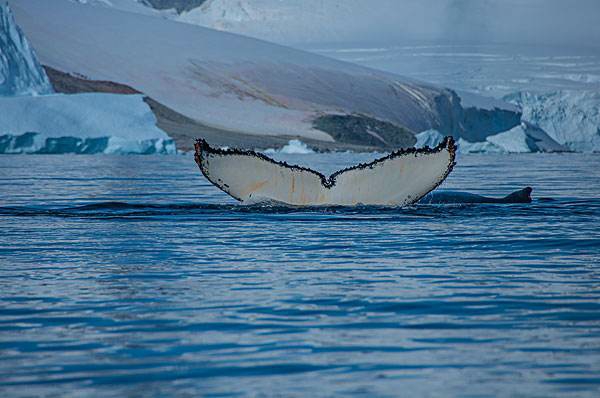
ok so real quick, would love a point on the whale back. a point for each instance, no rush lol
(520, 196)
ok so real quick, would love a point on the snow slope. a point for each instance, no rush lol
(20, 72)
(81, 123)
(224, 80)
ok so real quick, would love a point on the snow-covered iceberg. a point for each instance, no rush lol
(32, 120)
(20, 72)
(81, 123)
(571, 118)
(524, 138)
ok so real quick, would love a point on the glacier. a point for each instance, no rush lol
(80, 123)
(20, 72)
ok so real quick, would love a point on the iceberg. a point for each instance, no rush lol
(293, 147)
(33, 120)
(20, 71)
(80, 123)
(571, 118)
(524, 138)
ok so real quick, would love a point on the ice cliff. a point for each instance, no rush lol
(523, 138)
(571, 118)
(81, 123)
(20, 72)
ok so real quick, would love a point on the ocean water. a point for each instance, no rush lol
(133, 276)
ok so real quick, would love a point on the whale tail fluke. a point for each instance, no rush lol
(401, 178)
(520, 196)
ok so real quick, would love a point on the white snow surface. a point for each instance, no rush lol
(80, 123)
(571, 118)
(221, 79)
(20, 72)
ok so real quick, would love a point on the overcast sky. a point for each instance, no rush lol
(573, 22)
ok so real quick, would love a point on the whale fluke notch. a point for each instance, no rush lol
(401, 178)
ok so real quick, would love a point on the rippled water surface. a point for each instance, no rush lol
(132, 276)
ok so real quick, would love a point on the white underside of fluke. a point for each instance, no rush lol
(399, 179)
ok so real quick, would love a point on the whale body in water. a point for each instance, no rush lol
(455, 197)
(402, 178)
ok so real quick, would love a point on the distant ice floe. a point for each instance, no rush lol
(294, 147)
(81, 123)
